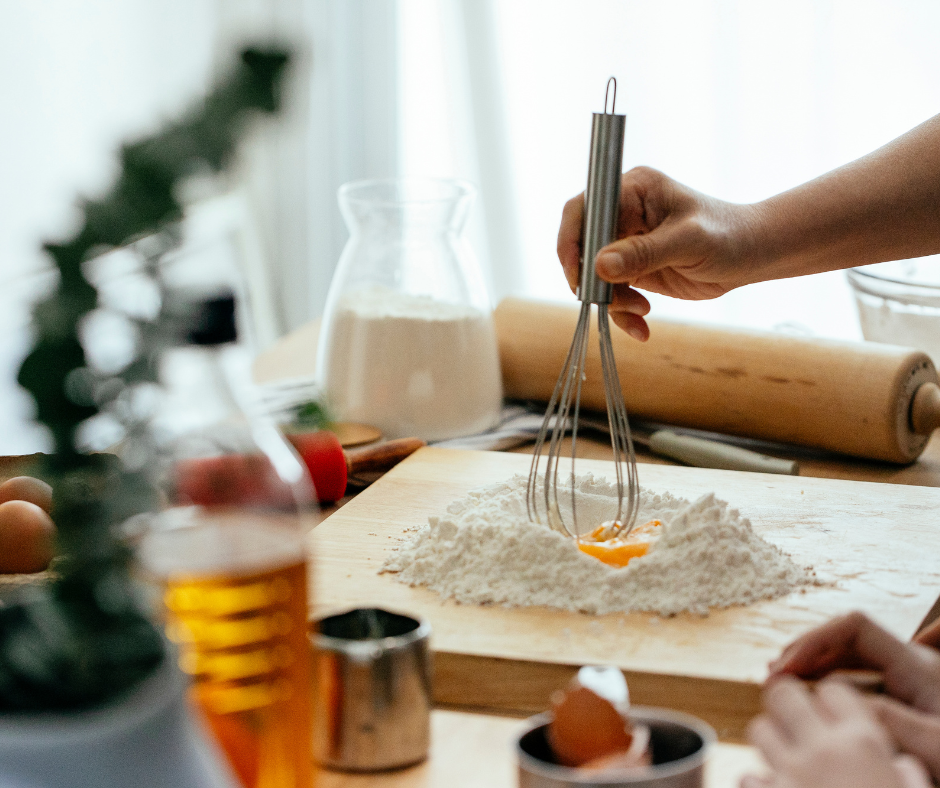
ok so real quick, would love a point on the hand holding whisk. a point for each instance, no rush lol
(602, 200)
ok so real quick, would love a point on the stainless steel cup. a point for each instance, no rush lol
(373, 698)
(679, 744)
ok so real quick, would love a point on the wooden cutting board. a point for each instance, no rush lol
(878, 544)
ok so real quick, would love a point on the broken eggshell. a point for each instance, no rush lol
(679, 744)
(608, 682)
(590, 726)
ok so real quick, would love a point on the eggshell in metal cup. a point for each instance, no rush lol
(373, 690)
(679, 744)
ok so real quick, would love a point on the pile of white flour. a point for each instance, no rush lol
(412, 366)
(486, 551)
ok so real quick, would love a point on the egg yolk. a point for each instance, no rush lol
(618, 551)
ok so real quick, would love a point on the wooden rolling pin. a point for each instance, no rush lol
(864, 399)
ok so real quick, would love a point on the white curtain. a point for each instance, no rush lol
(340, 124)
(79, 76)
(76, 77)
(736, 98)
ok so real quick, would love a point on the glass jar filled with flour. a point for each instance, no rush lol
(407, 342)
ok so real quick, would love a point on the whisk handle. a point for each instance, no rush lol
(601, 202)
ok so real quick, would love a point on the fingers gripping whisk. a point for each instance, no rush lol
(552, 495)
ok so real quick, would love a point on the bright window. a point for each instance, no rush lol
(737, 99)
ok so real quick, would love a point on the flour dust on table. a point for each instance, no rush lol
(484, 550)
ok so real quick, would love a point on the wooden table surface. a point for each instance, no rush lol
(478, 751)
(471, 750)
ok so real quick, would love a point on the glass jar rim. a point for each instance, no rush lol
(355, 191)
(862, 274)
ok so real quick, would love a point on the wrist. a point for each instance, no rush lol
(750, 249)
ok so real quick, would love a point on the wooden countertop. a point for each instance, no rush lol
(478, 751)
(471, 750)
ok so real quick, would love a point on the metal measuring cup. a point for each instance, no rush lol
(373, 698)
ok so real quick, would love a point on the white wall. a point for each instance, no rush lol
(76, 77)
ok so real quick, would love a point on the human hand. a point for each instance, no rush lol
(929, 635)
(828, 739)
(911, 671)
(914, 732)
(671, 240)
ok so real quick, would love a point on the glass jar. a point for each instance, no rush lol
(407, 341)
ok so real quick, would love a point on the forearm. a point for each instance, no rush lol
(884, 206)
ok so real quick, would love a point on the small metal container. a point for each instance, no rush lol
(373, 699)
(679, 744)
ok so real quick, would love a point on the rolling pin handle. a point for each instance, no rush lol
(925, 409)
(382, 456)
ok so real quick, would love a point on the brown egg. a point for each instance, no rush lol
(586, 727)
(26, 488)
(26, 538)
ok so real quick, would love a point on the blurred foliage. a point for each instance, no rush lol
(81, 638)
(310, 415)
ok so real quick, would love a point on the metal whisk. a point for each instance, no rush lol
(599, 228)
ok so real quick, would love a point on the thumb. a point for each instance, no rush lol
(915, 732)
(672, 244)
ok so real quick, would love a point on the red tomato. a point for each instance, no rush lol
(323, 455)
(249, 480)
(245, 480)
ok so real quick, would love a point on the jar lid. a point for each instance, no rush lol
(206, 320)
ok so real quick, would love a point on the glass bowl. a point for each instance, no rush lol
(899, 303)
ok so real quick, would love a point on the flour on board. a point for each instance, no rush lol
(485, 550)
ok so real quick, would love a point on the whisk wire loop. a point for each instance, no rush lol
(573, 389)
(562, 416)
(619, 425)
(555, 422)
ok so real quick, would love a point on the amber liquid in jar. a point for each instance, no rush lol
(242, 636)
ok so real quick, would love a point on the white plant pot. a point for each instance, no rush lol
(149, 738)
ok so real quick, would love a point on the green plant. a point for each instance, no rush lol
(310, 415)
(81, 638)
